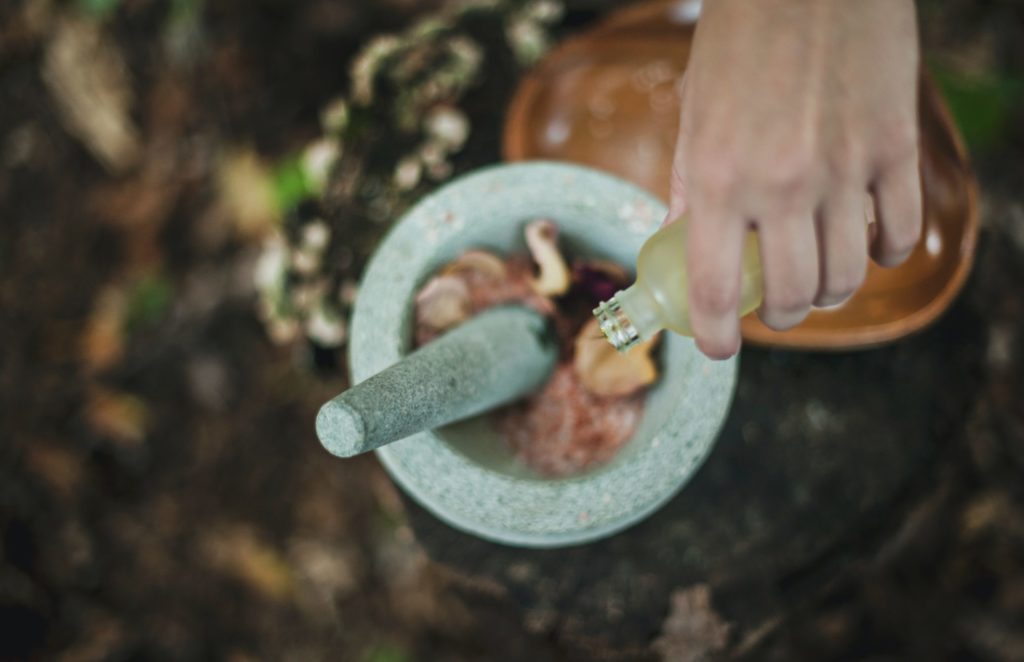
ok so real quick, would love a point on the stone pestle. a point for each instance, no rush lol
(490, 360)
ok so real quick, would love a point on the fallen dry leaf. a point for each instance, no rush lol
(119, 416)
(246, 193)
(326, 326)
(554, 278)
(604, 371)
(693, 631)
(103, 337)
(237, 551)
(87, 76)
(58, 466)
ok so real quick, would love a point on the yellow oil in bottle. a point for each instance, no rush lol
(659, 298)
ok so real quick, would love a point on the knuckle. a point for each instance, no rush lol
(899, 146)
(792, 177)
(846, 161)
(716, 178)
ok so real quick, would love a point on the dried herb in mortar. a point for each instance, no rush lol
(594, 399)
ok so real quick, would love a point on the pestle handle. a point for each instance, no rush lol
(492, 359)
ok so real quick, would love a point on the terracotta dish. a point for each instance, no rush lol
(607, 99)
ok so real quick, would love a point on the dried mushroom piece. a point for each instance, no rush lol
(605, 372)
(442, 303)
(554, 278)
(481, 262)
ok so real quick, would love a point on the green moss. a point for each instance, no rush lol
(98, 8)
(983, 105)
(386, 652)
(148, 302)
(291, 184)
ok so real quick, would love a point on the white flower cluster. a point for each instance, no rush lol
(410, 86)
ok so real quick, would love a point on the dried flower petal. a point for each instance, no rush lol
(443, 303)
(315, 236)
(605, 372)
(432, 153)
(439, 171)
(272, 265)
(408, 172)
(318, 159)
(326, 327)
(348, 292)
(334, 116)
(368, 63)
(448, 126)
(305, 262)
(527, 38)
(599, 280)
(614, 271)
(306, 295)
(544, 11)
(542, 239)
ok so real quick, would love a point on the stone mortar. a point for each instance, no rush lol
(464, 473)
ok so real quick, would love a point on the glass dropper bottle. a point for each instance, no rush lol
(659, 298)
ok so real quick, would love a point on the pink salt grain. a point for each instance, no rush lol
(564, 429)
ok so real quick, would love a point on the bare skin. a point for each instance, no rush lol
(792, 111)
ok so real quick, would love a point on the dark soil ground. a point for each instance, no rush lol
(162, 493)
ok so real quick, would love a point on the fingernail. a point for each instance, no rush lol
(721, 342)
(895, 260)
(782, 321)
(824, 303)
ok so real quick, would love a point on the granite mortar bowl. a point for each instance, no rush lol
(465, 473)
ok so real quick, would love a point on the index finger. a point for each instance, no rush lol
(714, 250)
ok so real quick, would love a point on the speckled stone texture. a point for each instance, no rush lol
(490, 360)
(466, 474)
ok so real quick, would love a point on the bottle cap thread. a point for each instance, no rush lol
(616, 325)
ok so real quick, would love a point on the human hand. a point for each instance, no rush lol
(793, 110)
